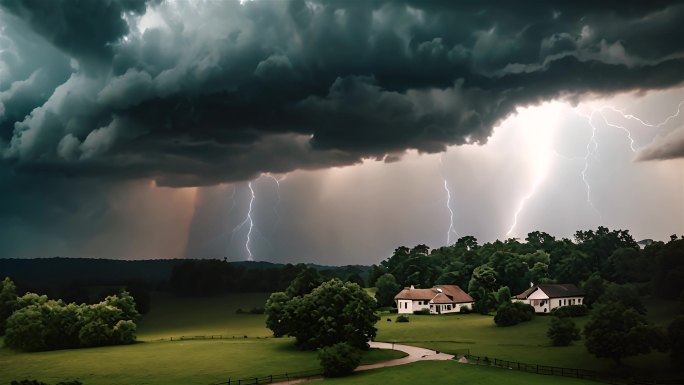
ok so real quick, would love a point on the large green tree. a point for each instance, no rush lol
(616, 331)
(334, 312)
(387, 288)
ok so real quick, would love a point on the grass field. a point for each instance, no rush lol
(448, 373)
(526, 342)
(155, 362)
(175, 317)
(177, 362)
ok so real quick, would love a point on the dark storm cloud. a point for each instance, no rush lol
(82, 28)
(218, 91)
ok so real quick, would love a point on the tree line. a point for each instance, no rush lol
(33, 322)
(594, 260)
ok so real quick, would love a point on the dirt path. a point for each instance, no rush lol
(414, 354)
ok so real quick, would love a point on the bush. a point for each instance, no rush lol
(510, 314)
(257, 310)
(465, 310)
(563, 331)
(402, 318)
(422, 312)
(48, 324)
(339, 360)
(570, 311)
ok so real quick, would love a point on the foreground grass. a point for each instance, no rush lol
(191, 362)
(526, 342)
(177, 362)
(448, 373)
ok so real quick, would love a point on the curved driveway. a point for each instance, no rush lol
(414, 354)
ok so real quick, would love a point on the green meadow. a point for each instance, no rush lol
(525, 342)
(156, 360)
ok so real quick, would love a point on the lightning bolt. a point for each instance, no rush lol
(452, 228)
(535, 185)
(249, 220)
(592, 145)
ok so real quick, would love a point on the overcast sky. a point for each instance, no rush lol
(132, 128)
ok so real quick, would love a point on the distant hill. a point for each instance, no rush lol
(58, 271)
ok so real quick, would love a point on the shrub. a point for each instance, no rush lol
(570, 311)
(402, 318)
(465, 310)
(510, 314)
(563, 331)
(339, 360)
(257, 310)
(422, 312)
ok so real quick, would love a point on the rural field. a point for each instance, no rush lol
(158, 360)
(526, 342)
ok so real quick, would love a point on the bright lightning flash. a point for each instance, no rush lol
(452, 229)
(592, 145)
(538, 125)
(249, 220)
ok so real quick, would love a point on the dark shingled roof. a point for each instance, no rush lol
(553, 290)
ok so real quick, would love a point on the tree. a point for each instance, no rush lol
(276, 314)
(26, 330)
(339, 360)
(513, 313)
(675, 333)
(483, 277)
(630, 265)
(387, 288)
(563, 331)
(616, 331)
(124, 302)
(503, 296)
(307, 280)
(334, 312)
(593, 288)
(624, 294)
(8, 302)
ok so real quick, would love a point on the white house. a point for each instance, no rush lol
(546, 297)
(439, 299)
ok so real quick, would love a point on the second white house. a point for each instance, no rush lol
(546, 297)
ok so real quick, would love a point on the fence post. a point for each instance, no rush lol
(271, 378)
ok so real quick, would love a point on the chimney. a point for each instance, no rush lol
(411, 288)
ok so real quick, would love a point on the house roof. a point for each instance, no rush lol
(437, 294)
(456, 293)
(416, 294)
(553, 291)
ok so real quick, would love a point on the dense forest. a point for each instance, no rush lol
(592, 260)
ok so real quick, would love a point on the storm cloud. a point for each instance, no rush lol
(200, 93)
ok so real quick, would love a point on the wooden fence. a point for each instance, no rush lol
(272, 378)
(591, 375)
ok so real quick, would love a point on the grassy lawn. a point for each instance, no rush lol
(526, 342)
(174, 317)
(448, 373)
(178, 362)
